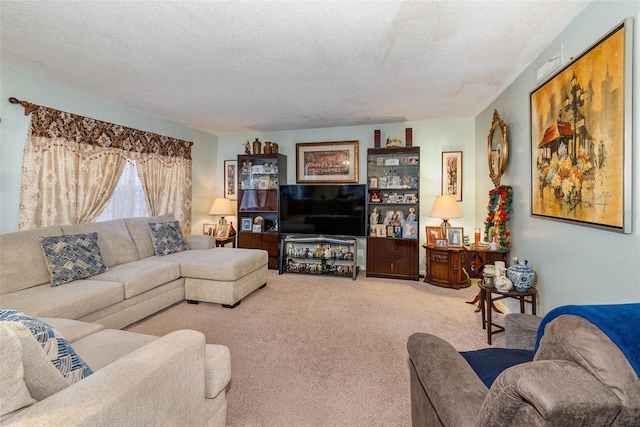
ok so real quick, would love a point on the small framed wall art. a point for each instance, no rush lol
(452, 174)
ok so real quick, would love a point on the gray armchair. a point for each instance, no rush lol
(578, 377)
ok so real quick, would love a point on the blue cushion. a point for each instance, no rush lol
(167, 237)
(72, 257)
(56, 348)
(488, 363)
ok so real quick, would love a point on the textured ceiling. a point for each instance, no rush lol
(245, 66)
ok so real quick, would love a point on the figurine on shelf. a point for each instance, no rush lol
(412, 214)
(373, 221)
(388, 217)
(247, 147)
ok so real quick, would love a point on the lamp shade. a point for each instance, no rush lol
(221, 207)
(445, 207)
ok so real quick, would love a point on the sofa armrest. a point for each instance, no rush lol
(521, 330)
(196, 241)
(549, 392)
(453, 388)
(161, 383)
(217, 369)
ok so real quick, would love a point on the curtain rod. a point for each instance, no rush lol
(28, 107)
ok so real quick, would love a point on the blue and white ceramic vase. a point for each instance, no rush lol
(521, 275)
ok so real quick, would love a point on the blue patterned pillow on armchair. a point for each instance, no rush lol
(55, 347)
(167, 237)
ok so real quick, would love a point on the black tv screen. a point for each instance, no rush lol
(328, 209)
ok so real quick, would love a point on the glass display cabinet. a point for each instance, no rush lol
(393, 187)
(319, 255)
(259, 178)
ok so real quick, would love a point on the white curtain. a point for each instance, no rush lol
(128, 199)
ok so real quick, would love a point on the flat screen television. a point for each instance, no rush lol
(328, 209)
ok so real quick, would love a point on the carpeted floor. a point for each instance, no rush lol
(318, 351)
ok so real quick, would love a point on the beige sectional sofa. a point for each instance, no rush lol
(138, 379)
(137, 283)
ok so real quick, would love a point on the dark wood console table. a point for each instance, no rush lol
(490, 295)
(446, 267)
(477, 257)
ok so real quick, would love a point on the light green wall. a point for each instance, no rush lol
(574, 264)
(14, 125)
(433, 137)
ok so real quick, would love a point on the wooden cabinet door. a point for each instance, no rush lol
(266, 241)
(392, 258)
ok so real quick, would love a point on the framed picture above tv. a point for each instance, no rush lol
(327, 162)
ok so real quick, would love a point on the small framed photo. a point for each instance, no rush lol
(410, 230)
(264, 183)
(373, 182)
(222, 232)
(389, 230)
(454, 237)
(382, 182)
(374, 197)
(433, 234)
(381, 230)
(397, 231)
(441, 243)
(246, 224)
(257, 228)
(208, 229)
(412, 160)
(380, 161)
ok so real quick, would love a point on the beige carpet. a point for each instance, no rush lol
(318, 351)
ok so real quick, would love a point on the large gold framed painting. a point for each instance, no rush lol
(581, 137)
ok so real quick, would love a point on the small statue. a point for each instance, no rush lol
(247, 147)
(412, 214)
(388, 217)
(373, 220)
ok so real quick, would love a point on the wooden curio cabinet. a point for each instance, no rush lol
(259, 178)
(393, 177)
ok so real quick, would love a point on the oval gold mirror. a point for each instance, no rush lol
(497, 149)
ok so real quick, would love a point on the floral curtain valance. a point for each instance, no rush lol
(50, 123)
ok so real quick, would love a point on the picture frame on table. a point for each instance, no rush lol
(327, 162)
(245, 224)
(452, 174)
(433, 234)
(381, 230)
(441, 243)
(581, 165)
(231, 179)
(222, 232)
(455, 237)
(209, 229)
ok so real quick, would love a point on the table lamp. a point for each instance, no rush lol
(445, 207)
(221, 207)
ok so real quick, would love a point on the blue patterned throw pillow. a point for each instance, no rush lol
(167, 237)
(72, 257)
(56, 348)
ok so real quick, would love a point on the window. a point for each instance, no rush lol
(128, 198)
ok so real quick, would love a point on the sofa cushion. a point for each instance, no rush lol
(57, 349)
(72, 330)
(139, 231)
(107, 346)
(72, 257)
(223, 264)
(72, 301)
(14, 393)
(488, 363)
(140, 276)
(114, 240)
(24, 266)
(167, 237)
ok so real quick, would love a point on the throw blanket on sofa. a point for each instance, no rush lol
(620, 322)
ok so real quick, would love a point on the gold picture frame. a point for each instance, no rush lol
(222, 232)
(452, 174)
(433, 234)
(581, 165)
(327, 162)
